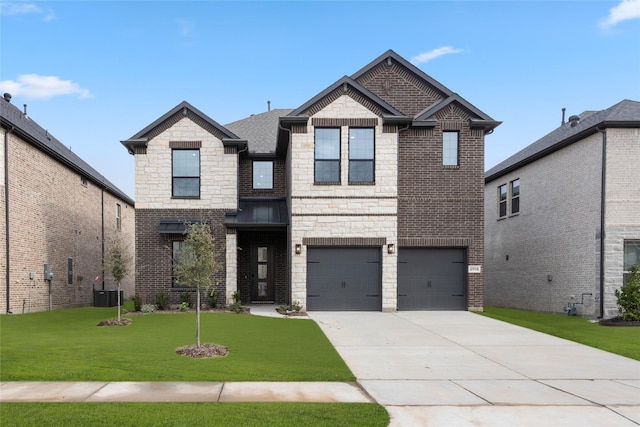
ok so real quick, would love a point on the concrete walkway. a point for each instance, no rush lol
(461, 369)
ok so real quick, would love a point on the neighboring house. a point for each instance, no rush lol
(56, 210)
(367, 197)
(562, 216)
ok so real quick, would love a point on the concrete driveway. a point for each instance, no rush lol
(463, 369)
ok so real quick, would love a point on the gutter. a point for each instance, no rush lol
(6, 207)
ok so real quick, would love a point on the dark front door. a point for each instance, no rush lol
(262, 274)
(344, 278)
(432, 279)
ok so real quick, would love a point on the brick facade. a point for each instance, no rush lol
(56, 214)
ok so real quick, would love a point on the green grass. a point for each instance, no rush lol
(66, 345)
(192, 414)
(624, 341)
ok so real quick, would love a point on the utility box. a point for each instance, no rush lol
(113, 298)
(100, 299)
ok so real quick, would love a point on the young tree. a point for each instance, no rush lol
(195, 263)
(629, 296)
(120, 262)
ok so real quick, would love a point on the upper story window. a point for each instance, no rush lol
(327, 155)
(361, 155)
(450, 148)
(515, 196)
(118, 216)
(262, 175)
(502, 200)
(186, 173)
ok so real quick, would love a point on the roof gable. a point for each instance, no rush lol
(177, 113)
(478, 119)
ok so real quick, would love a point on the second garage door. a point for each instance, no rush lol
(344, 279)
(432, 279)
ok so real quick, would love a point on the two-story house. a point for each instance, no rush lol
(562, 216)
(369, 196)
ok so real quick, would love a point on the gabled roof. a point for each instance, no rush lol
(625, 114)
(390, 54)
(427, 116)
(388, 111)
(260, 130)
(33, 133)
(141, 138)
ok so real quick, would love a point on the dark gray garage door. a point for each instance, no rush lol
(344, 279)
(432, 279)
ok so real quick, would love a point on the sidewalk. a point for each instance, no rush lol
(321, 392)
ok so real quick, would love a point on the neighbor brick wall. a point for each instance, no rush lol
(53, 217)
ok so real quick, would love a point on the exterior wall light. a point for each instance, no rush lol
(298, 248)
(391, 248)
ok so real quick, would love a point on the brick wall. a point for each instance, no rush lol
(54, 216)
(154, 252)
(246, 179)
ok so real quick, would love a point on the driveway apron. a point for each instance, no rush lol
(463, 369)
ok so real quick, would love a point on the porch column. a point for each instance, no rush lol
(232, 265)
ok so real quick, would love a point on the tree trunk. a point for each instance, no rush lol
(118, 301)
(198, 315)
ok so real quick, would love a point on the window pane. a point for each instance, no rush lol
(327, 143)
(262, 254)
(450, 148)
(631, 254)
(361, 171)
(186, 163)
(186, 187)
(263, 175)
(503, 208)
(515, 188)
(361, 144)
(327, 171)
(515, 205)
(502, 192)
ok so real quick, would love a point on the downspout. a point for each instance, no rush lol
(602, 215)
(102, 219)
(6, 207)
(287, 191)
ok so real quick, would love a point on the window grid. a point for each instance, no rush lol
(185, 173)
(262, 175)
(515, 196)
(361, 155)
(327, 155)
(502, 201)
(450, 148)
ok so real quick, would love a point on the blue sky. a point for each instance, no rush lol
(96, 72)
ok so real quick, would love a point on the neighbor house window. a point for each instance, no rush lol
(327, 155)
(450, 148)
(515, 196)
(361, 155)
(118, 217)
(631, 256)
(186, 173)
(502, 200)
(262, 175)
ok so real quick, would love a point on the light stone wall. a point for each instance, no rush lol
(622, 211)
(358, 211)
(218, 171)
(232, 267)
(553, 243)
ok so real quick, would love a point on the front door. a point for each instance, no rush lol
(262, 274)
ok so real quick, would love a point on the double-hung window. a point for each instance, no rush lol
(450, 148)
(185, 173)
(327, 155)
(118, 217)
(515, 196)
(262, 175)
(502, 201)
(176, 247)
(361, 155)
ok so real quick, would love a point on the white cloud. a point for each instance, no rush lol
(23, 8)
(42, 87)
(435, 53)
(627, 9)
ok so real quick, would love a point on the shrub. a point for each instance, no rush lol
(137, 302)
(184, 306)
(213, 298)
(162, 301)
(237, 303)
(148, 308)
(185, 297)
(629, 296)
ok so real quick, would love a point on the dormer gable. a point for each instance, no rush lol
(454, 105)
(138, 142)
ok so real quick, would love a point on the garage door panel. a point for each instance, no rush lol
(344, 279)
(431, 279)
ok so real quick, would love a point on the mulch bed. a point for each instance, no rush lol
(202, 350)
(616, 321)
(115, 322)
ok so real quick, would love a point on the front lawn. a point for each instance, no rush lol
(66, 345)
(622, 340)
(193, 414)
